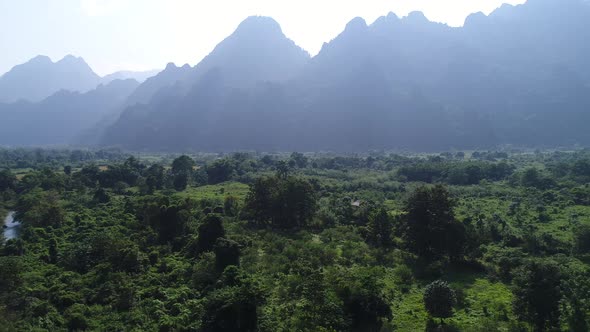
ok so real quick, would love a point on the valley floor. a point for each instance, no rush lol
(296, 242)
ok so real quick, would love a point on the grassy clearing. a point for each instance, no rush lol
(218, 191)
(409, 313)
(480, 303)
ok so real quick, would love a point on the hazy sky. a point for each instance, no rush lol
(114, 35)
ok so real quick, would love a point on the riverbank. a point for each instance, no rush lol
(11, 227)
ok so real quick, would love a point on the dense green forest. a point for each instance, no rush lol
(457, 241)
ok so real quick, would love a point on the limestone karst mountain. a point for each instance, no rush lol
(40, 77)
(517, 76)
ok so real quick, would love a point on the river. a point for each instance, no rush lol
(11, 227)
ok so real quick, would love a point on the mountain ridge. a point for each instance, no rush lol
(379, 85)
(40, 77)
(139, 76)
(518, 76)
(59, 118)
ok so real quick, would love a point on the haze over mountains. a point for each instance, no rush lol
(257, 51)
(61, 118)
(520, 76)
(40, 78)
(139, 76)
(47, 103)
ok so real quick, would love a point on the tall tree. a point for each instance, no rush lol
(210, 230)
(582, 239)
(430, 227)
(154, 177)
(7, 180)
(227, 252)
(182, 170)
(172, 222)
(180, 181)
(220, 170)
(537, 291)
(281, 202)
(439, 299)
(298, 160)
(576, 297)
(283, 169)
(183, 164)
(379, 228)
(232, 308)
(40, 208)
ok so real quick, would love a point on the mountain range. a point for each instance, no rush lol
(61, 103)
(519, 76)
(139, 76)
(61, 118)
(40, 78)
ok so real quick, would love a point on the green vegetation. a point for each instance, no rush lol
(439, 299)
(246, 242)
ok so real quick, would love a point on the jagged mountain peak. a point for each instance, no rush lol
(259, 24)
(139, 76)
(356, 24)
(40, 77)
(354, 29)
(165, 78)
(41, 59)
(416, 17)
(171, 66)
(74, 64)
(388, 19)
(475, 19)
(256, 51)
(392, 16)
(377, 86)
(505, 10)
(71, 59)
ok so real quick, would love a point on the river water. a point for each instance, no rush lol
(11, 227)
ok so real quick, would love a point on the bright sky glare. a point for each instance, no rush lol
(114, 35)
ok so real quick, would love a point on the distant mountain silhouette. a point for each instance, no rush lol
(60, 118)
(257, 51)
(40, 77)
(519, 76)
(168, 77)
(139, 76)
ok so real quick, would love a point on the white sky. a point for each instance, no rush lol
(116, 35)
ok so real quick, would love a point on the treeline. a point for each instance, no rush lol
(39, 158)
(456, 173)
